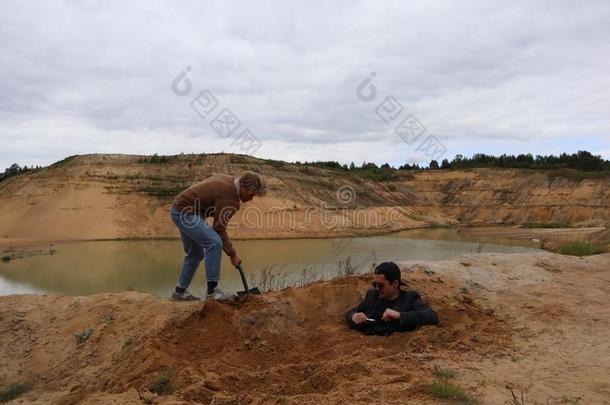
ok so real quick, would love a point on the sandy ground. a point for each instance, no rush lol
(534, 323)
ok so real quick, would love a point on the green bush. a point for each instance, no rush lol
(444, 389)
(128, 341)
(325, 164)
(11, 390)
(164, 381)
(376, 174)
(580, 248)
(154, 159)
(81, 337)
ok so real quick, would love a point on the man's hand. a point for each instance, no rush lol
(359, 318)
(390, 315)
(235, 260)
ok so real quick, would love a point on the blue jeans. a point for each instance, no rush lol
(199, 241)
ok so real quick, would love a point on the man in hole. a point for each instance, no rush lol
(386, 308)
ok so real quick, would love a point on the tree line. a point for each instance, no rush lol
(582, 160)
(15, 169)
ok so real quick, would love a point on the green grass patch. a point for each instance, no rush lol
(162, 191)
(580, 248)
(12, 390)
(443, 373)
(163, 382)
(81, 337)
(277, 164)
(546, 225)
(520, 399)
(64, 161)
(441, 226)
(577, 175)
(443, 388)
(128, 341)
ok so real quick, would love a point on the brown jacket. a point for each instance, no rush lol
(215, 196)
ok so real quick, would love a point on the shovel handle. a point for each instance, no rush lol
(243, 277)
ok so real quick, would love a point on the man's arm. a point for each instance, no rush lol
(362, 307)
(421, 314)
(222, 216)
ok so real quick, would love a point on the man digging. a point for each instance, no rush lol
(218, 196)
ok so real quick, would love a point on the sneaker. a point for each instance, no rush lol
(219, 295)
(184, 296)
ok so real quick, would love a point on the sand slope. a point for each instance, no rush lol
(534, 322)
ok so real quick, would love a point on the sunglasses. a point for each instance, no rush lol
(380, 286)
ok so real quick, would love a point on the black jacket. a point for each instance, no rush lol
(413, 313)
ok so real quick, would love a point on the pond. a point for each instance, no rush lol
(84, 268)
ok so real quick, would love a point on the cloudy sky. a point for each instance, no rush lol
(490, 76)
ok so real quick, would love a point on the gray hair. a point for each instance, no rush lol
(254, 183)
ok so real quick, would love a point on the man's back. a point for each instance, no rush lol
(214, 191)
(215, 196)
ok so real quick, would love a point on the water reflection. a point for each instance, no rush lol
(153, 266)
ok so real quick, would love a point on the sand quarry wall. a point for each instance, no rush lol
(120, 196)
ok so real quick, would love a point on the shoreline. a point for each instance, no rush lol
(500, 232)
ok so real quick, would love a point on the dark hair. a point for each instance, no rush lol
(391, 271)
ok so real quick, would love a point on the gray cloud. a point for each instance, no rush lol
(495, 77)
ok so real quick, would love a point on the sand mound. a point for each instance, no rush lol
(288, 346)
(291, 343)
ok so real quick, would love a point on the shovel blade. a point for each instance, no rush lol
(254, 290)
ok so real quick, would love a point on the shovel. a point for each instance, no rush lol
(242, 294)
